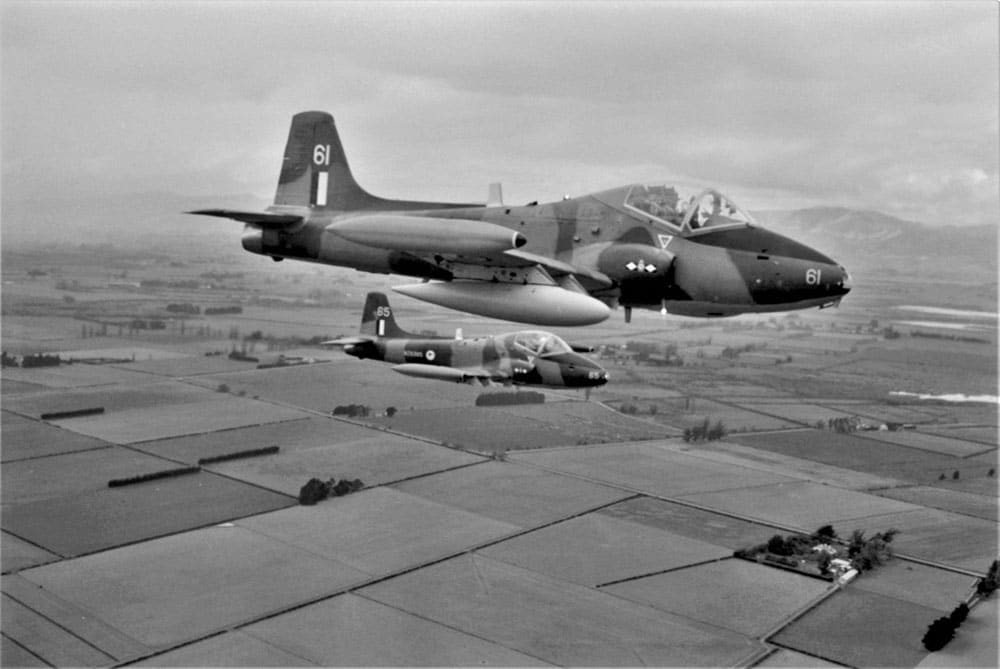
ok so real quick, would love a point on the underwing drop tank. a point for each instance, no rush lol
(523, 303)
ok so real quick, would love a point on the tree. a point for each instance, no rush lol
(989, 583)
(390, 411)
(869, 553)
(960, 613)
(823, 564)
(717, 431)
(939, 633)
(778, 546)
(825, 533)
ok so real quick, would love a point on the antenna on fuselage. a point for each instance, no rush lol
(495, 198)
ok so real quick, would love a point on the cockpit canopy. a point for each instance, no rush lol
(686, 210)
(535, 343)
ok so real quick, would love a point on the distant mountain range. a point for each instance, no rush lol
(861, 240)
(873, 240)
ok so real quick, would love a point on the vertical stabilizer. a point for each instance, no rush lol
(314, 172)
(377, 318)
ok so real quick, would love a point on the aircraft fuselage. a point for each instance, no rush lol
(711, 273)
(561, 263)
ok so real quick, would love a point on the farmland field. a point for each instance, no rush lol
(760, 597)
(721, 530)
(565, 533)
(591, 552)
(800, 504)
(84, 522)
(173, 420)
(557, 622)
(523, 496)
(857, 628)
(28, 438)
(155, 592)
(929, 442)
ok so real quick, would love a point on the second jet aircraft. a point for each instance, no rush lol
(527, 357)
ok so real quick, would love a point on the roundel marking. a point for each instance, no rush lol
(429, 355)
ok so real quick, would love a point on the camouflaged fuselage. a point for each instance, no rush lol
(489, 354)
(644, 246)
(706, 272)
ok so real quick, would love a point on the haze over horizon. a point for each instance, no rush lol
(883, 106)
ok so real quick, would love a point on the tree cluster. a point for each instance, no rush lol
(733, 352)
(705, 431)
(215, 311)
(40, 360)
(942, 630)
(316, 490)
(183, 308)
(352, 410)
(842, 424)
(988, 584)
(516, 397)
(866, 554)
(821, 547)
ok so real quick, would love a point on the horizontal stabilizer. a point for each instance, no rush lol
(262, 219)
(444, 373)
(347, 341)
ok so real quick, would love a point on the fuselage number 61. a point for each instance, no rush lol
(321, 154)
(813, 276)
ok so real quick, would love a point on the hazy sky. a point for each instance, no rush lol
(890, 106)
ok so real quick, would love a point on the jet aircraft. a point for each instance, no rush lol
(562, 263)
(527, 357)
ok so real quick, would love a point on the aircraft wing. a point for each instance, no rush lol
(263, 219)
(557, 267)
(455, 374)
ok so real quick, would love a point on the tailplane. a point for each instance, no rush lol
(377, 318)
(314, 172)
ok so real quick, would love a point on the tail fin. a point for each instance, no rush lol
(377, 318)
(315, 171)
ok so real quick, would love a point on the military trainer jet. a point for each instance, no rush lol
(562, 263)
(528, 357)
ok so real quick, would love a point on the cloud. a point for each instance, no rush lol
(786, 102)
